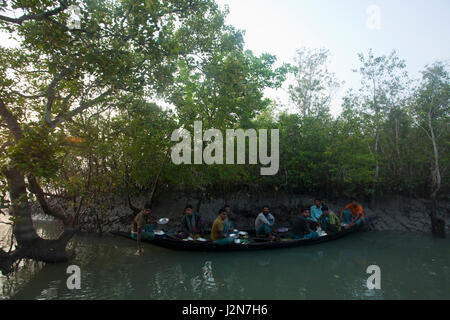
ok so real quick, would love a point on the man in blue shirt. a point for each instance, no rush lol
(316, 210)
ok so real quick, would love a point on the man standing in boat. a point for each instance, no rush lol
(143, 226)
(264, 223)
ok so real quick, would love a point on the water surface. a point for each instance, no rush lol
(413, 266)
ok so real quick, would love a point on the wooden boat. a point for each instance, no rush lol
(172, 242)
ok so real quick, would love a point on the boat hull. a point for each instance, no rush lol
(174, 244)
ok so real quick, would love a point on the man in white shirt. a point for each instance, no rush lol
(264, 223)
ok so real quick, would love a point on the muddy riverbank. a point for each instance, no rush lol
(393, 213)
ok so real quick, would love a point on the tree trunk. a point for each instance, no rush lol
(377, 170)
(24, 231)
(29, 244)
(155, 182)
(437, 223)
(377, 136)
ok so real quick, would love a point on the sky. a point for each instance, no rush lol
(419, 30)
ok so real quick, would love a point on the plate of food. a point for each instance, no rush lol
(159, 232)
(201, 239)
(233, 235)
(243, 233)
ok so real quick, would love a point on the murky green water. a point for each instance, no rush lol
(413, 266)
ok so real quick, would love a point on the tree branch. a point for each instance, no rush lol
(36, 96)
(36, 16)
(11, 121)
(51, 97)
(36, 189)
(60, 118)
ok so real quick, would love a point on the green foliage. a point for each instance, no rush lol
(87, 103)
(225, 89)
(314, 83)
(37, 153)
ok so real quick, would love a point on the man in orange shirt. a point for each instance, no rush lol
(352, 213)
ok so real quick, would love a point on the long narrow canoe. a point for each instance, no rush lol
(171, 242)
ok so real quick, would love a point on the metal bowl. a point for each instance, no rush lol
(163, 221)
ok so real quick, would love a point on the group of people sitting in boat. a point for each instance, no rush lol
(304, 226)
(320, 217)
(311, 219)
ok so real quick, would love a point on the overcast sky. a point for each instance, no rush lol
(417, 29)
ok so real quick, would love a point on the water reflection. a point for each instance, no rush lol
(26, 269)
(412, 266)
